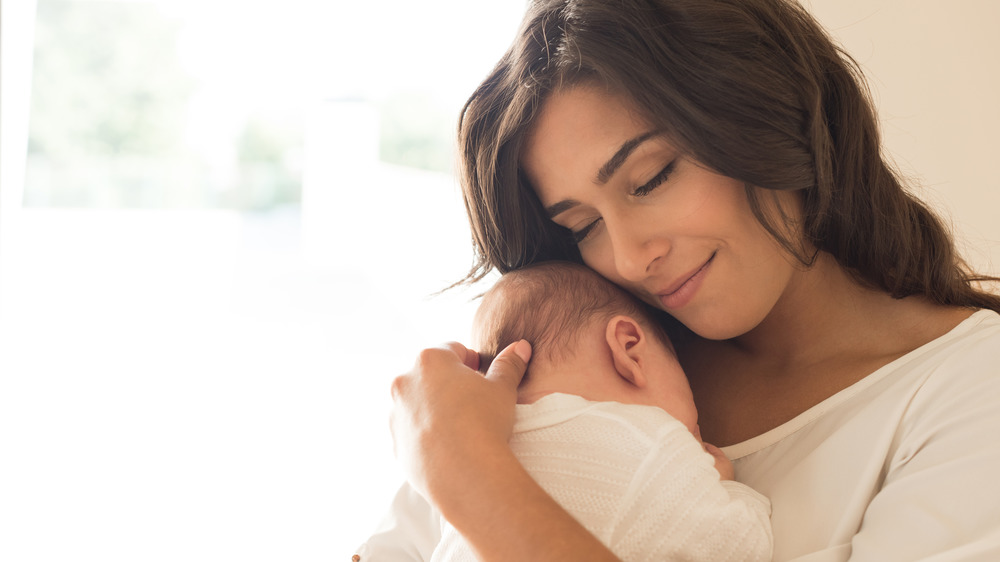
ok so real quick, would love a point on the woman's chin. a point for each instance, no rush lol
(718, 327)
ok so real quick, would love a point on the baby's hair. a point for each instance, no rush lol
(550, 304)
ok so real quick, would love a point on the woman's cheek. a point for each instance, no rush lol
(598, 255)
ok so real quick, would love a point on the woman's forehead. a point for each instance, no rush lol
(576, 132)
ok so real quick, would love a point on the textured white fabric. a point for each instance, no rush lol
(408, 533)
(637, 479)
(902, 465)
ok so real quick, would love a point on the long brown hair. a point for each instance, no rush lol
(753, 89)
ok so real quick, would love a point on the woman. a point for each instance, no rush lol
(720, 159)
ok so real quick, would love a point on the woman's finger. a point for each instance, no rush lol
(469, 357)
(510, 364)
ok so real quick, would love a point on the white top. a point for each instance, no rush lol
(635, 478)
(902, 465)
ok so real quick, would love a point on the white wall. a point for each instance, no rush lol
(934, 69)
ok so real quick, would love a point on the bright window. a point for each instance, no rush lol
(232, 218)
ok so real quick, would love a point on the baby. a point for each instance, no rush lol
(606, 423)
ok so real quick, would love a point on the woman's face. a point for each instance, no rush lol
(675, 234)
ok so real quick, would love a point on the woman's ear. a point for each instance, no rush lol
(627, 343)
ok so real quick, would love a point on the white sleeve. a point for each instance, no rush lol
(678, 509)
(941, 495)
(408, 533)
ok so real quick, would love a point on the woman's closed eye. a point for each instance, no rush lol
(585, 232)
(582, 234)
(648, 187)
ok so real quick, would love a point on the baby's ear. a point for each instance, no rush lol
(627, 343)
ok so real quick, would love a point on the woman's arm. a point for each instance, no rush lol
(450, 427)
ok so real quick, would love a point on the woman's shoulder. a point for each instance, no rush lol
(934, 383)
(977, 335)
(913, 438)
(983, 320)
(952, 344)
(945, 368)
(961, 367)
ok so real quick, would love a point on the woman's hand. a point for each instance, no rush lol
(445, 412)
(450, 426)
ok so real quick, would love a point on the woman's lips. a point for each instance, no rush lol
(678, 296)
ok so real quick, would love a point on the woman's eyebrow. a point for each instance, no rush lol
(558, 208)
(604, 174)
(611, 166)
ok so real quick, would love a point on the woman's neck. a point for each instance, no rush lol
(821, 306)
(825, 312)
(826, 332)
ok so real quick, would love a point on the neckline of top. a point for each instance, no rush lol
(772, 436)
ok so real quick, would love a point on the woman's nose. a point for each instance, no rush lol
(636, 253)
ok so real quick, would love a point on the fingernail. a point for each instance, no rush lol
(523, 350)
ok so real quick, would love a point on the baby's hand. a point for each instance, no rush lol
(722, 463)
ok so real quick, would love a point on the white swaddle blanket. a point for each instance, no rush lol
(637, 479)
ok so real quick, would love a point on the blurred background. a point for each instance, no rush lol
(223, 225)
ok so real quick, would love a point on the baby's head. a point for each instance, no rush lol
(589, 337)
